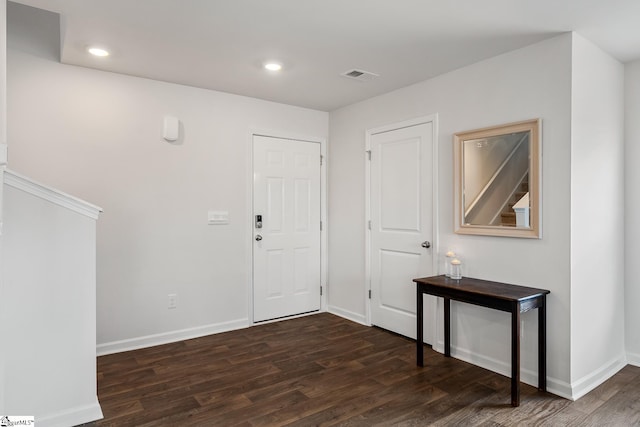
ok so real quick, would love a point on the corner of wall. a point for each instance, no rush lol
(632, 205)
(633, 359)
(597, 183)
(589, 382)
(349, 315)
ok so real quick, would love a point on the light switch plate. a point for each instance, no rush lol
(218, 217)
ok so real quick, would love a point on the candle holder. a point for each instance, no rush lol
(447, 263)
(456, 269)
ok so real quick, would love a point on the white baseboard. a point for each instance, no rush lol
(633, 359)
(71, 417)
(558, 387)
(572, 391)
(593, 380)
(527, 376)
(349, 315)
(169, 337)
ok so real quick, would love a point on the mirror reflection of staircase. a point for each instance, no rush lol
(492, 191)
(508, 215)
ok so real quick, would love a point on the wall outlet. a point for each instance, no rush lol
(173, 301)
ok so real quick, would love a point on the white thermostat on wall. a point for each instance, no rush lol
(218, 217)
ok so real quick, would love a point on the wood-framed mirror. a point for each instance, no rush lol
(498, 180)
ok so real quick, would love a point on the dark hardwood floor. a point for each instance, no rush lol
(324, 370)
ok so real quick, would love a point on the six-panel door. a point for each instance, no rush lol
(286, 250)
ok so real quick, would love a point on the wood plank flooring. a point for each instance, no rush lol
(325, 370)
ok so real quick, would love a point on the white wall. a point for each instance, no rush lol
(597, 216)
(632, 207)
(3, 140)
(524, 84)
(97, 135)
(3, 72)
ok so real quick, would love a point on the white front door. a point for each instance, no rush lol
(401, 214)
(286, 245)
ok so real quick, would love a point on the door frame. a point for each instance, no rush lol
(433, 119)
(323, 215)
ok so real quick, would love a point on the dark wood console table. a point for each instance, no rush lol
(499, 296)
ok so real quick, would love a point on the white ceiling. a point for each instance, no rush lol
(222, 44)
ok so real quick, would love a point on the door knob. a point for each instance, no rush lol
(258, 237)
(426, 244)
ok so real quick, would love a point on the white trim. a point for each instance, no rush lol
(587, 383)
(572, 391)
(71, 417)
(433, 119)
(527, 376)
(367, 230)
(169, 337)
(633, 359)
(324, 254)
(349, 315)
(249, 222)
(59, 198)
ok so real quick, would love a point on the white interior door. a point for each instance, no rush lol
(286, 246)
(401, 225)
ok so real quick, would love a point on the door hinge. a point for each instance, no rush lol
(320, 290)
(368, 154)
(369, 293)
(321, 159)
(320, 225)
(369, 224)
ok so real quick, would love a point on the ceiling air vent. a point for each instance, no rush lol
(360, 75)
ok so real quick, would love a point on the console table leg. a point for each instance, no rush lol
(542, 344)
(447, 327)
(419, 323)
(515, 356)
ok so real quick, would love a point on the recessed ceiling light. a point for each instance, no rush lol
(98, 51)
(273, 66)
